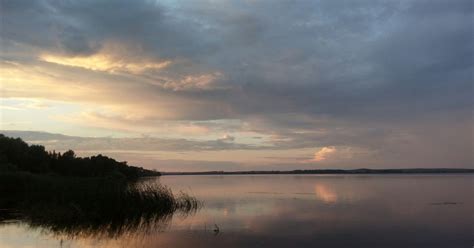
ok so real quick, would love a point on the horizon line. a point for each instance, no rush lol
(327, 171)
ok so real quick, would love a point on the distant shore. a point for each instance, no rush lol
(329, 171)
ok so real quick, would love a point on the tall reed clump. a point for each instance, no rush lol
(75, 205)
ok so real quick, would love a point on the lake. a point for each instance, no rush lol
(296, 211)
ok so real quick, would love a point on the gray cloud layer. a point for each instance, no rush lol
(393, 77)
(61, 142)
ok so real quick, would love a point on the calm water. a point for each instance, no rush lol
(298, 211)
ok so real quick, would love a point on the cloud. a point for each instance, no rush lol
(22, 104)
(324, 153)
(103, 62)
(199, 82)
(227, 138)
(388, 83)
(100, 144)
(317, 58)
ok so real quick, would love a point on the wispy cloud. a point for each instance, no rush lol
(324, 153)
(102, 62)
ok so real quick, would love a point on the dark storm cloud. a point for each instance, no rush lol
(323, 57)
(355, 59)
(364, 73)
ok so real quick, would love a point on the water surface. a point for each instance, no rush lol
(297, 211)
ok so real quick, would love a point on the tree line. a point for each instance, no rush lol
(17, 155)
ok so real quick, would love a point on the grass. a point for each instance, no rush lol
(91, 206)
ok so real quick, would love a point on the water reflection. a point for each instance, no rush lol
(126, 210)
(324, 193)
(329, 211)
(303, 211)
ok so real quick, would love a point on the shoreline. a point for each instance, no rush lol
(328, 172)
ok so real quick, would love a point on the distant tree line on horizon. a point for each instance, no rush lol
(17, 155)
(330, 171)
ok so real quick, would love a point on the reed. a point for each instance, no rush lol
(77, 205)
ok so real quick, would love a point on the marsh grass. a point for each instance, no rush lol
(76, 206)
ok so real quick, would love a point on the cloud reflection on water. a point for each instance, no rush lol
(324, 193)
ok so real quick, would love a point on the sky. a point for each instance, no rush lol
(242, 85)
